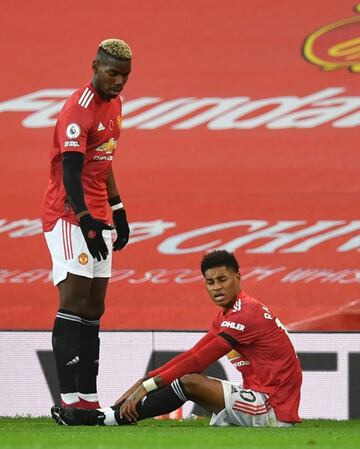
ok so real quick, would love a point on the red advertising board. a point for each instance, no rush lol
(240, 132)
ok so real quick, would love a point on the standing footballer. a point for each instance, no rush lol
(76, 217)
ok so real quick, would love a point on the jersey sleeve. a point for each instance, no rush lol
(73, 127)
(198, 360)
(179, 358)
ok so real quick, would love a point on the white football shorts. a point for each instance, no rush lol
(246, 408)
(70, 254)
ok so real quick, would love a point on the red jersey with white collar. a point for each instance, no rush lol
(263, 353)
(257, 345)
(90, 125)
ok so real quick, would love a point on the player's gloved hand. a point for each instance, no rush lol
(92, 232)
(122, 229)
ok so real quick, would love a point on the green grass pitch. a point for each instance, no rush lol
(43, 433)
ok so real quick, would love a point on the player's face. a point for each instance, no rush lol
(110, 76)
(223, 286)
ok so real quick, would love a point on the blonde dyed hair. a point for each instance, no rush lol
(116, 48)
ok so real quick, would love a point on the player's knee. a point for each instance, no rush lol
(75, 305)
(191, 383)
(94, 311)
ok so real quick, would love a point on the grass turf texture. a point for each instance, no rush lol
(39, 433)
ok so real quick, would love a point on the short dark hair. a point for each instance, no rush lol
(219, 258)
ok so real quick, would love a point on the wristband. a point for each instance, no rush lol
(114, 200)
(149, 385)
(117, 206)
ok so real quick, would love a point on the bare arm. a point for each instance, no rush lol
(111, 187)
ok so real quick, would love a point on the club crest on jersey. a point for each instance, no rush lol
(232, 325)
(232, 355)
(108, 147)
(73, 131)
(83, 259)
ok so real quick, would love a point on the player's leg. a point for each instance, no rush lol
(156, 403)
(73, 271)
(207, 392)
(74, 293)
(90, 325)
(88, 366)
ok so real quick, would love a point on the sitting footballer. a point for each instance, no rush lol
(268, 391)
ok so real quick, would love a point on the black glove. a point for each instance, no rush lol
(122, 229)
(92, 232)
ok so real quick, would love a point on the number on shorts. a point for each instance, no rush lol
(247, 395)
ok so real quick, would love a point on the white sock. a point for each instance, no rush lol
(90, 397)
(69, 398)
(109, 416)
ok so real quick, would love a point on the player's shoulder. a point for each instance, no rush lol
(245, 302)
(79, 107)
(81, 103)
(83, 98)
(245, 306)
(237, 318)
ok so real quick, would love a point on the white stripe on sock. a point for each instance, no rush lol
(69, 398)
(66, 316)
(175, 385)
(90, 322)
(90, 397)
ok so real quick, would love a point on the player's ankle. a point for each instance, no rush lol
(70, 399)
(88, 401)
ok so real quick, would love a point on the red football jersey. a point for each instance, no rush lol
(263, 353)
(90, 125)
